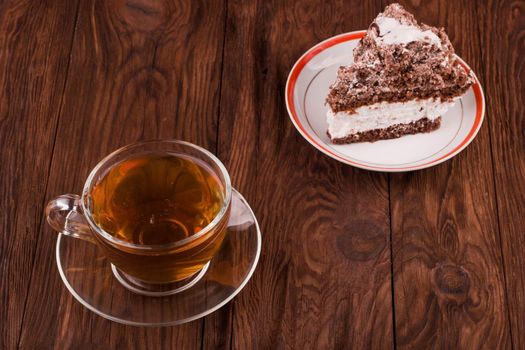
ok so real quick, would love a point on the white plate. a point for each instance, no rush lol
(306, 90)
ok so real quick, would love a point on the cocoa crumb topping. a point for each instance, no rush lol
(398, 72)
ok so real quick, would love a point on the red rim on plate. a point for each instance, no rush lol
(316, 50)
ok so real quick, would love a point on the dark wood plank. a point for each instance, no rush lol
(503, 26)
(35, 43)
(139, 70)
(146, 69)
(448, 274)
(324, 274)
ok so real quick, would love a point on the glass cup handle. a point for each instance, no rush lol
(64, 214)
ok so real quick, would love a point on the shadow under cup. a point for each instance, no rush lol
(147, 269)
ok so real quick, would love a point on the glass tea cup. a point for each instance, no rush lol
(150, 269)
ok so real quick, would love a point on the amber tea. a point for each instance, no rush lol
(159, 199)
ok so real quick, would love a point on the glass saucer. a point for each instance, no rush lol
(89, 276)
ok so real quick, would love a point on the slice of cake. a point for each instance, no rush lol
(405, 76)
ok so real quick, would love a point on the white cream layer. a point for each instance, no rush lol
(384, 114)
(391, 31)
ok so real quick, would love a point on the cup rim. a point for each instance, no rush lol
(144, 247)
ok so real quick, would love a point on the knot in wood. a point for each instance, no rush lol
(452, 279)
(361, 241)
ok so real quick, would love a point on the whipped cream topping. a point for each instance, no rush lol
(384, 114)
(391, 31)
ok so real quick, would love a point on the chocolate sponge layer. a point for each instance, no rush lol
(392, 132)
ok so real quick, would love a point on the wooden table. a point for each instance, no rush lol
(350, 258)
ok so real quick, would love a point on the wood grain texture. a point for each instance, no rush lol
(139, 70)
(324, 275)
(31, 88)
(79, 79)
(449, 279)
(502, 24)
